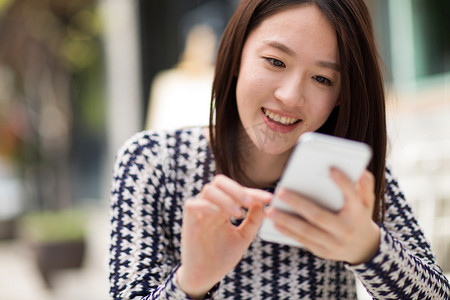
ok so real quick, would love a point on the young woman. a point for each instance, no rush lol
(284, 67)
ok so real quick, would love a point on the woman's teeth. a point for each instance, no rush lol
(277, 118)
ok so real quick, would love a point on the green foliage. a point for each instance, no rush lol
(4, 4)
(54, 226)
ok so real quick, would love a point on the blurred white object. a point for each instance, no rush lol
(122, 71)
(11, 204)
(181, 96)
(419, 131)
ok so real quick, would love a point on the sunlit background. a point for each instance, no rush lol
(78, 77)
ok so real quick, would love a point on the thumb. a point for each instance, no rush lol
(250, 226)
(255, 215)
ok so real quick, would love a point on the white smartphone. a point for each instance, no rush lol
(308, 173)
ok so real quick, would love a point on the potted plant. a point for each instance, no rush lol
(57, 238)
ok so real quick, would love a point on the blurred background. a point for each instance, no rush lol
(79, 77)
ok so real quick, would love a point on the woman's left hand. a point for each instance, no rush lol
(349, 235)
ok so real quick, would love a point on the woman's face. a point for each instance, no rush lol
(289, 79)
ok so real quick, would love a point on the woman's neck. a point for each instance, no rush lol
(262, 169)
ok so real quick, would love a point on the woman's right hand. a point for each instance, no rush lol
(211, 246)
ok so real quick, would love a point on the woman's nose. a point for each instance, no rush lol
(290, 91)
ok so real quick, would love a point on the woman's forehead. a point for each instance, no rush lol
(299, 29)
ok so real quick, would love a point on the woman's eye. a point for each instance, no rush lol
(323, 80)
(275, 62)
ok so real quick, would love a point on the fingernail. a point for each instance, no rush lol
(334, 172)
(282, 194)
(268, 211)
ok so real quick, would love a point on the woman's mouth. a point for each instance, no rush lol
(279, 119)
(278, 122)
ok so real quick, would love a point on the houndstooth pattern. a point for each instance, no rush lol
(156, 172)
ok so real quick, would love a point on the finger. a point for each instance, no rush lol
(310, 211)
(309, 240)
(366, 188)
(222, 200)
(298, 228)
(345, 184)
(233, 189)
(307, 243)
(259, 196)
(252, 222)
(255, 214)
(198, 210)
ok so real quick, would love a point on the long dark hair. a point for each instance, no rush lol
(361, 113)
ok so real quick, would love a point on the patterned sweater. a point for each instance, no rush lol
(156, 172)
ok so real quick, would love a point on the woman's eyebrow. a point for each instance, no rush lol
(280, 47)
(290, 52)
(329, 65)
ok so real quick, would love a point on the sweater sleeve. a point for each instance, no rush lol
(404, 266)
(142, 259)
